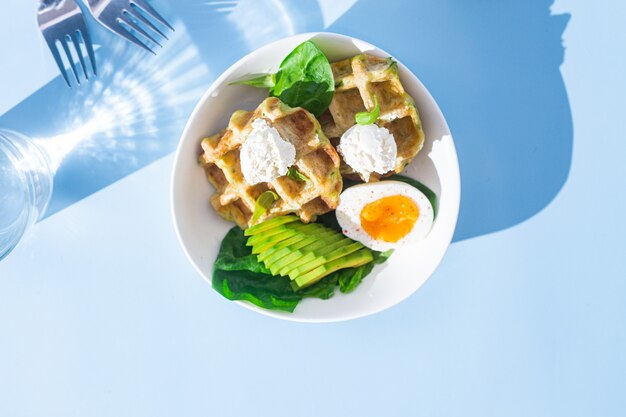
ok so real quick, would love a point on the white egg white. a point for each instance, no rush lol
(352, 201)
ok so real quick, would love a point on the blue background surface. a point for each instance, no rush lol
(101, 315)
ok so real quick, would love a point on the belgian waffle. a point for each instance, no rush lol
(316, 158)
(357, 81)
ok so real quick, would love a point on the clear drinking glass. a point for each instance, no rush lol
(25, 187)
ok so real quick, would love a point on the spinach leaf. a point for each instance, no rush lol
(324, 288)
(262, 203)
(237, 275)
(296, 175)
(267, 291)
(367, 118)
(263, 290)
(304, 79)
(350, 278)
(430, 194)
(234, 255)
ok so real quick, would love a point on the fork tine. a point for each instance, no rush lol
(79, 52)
(126, 18)
(57, 57)
(86, 39)
(137, 15)
(122, 31)
(150, 10)
(69, 58)
(63, 26)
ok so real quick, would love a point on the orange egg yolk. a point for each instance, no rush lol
(389, 218)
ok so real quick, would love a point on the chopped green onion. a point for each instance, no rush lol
(263, 203)
(367, 118)
(296, 175)
(262, 81)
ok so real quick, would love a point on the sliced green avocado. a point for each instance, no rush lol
(273, 240)
(262, 236)
(307, 253)
(280, 246)
(281, 267)
(321, 260)
(321, 249)
(268, 224)
(358, 258)
(310, 251)
(286, 247)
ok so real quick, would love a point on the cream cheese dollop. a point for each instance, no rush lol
(265, 155)
(368, 148)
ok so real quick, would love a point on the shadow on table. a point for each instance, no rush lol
(134, 111)
(493, 67)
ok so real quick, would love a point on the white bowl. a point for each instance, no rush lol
(200, 230)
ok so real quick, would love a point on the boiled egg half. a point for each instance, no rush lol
(384, 215)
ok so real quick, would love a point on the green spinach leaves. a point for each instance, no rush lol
(237, 275)
(304, 79)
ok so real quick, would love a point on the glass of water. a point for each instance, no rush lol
(25, 187)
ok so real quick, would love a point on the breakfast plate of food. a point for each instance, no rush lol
(316, 180)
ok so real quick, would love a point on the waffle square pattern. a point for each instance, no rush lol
(357, 81)
(316, 158)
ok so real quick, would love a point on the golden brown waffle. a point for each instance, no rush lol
(316, 158)
(357, 81)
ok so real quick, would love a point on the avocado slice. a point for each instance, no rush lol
(272, 240)
(309, 252)
(358, 258)
(281, 267)
(268, 224)
(305, 254)
(318, 249)
(335, 254)
(262, 236)
(280, 246)
(286, 247)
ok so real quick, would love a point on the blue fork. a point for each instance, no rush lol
(63, 26)
(128, 19)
